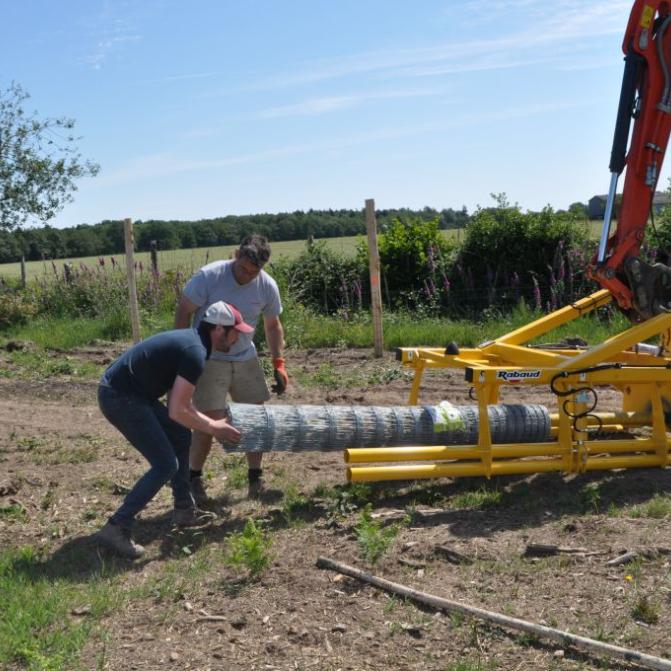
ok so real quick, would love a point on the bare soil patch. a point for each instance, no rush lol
(67, 468)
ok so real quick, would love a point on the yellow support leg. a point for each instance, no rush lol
(659, 425)
(416, 382)
(484, 395)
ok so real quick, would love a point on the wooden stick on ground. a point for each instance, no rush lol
(545, 550)
(632, 555)
(565, 638)
(452, 555)
(625, 558)
(208, 617)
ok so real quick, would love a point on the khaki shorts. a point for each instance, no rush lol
(243, 380)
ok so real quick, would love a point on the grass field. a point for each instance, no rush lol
(304, 329)
(189, 259)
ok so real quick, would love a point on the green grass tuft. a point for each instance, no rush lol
(293, 503)
(590, 497)
(646, 611)
(659, 508)
(249, 548)
(484, 497)
(36, 632)
(13, 511)
(235, 466)
(373, 538)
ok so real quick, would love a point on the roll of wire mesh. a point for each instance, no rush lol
(328, 428)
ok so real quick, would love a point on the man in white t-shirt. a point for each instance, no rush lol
(243, 282)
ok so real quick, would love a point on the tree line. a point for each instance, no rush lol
(107, 237)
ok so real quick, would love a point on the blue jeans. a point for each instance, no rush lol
(161, 441)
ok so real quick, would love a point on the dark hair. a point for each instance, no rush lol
(256, 248)
(205, 330)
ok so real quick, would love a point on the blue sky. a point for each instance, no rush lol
(208, 108)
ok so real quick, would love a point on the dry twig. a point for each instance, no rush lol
(452, 556)
(565, 638)
(545, 550)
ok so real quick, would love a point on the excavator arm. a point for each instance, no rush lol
(641, 289)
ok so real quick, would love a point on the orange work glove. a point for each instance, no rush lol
(280, 375)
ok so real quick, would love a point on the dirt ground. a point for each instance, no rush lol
(68, 468)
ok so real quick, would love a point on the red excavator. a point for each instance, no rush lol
(641, 289)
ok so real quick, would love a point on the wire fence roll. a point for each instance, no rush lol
(328, 428)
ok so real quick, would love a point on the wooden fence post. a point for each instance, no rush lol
(153, 246)
(374, 268)
(23, 271)
(130, 273)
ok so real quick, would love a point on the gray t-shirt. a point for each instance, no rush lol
(216, 282)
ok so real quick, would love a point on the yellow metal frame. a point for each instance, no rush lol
(643, 379)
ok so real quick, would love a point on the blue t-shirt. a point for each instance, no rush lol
(216, 282)
(149, 369)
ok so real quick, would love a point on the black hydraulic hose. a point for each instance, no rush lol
(660, 52)
(590, 369)
(632, 62)
(589, 411)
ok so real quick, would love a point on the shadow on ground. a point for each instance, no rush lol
(508, 503)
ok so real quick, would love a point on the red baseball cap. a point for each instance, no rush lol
(226, 314)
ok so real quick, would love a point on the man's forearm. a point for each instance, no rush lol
(182, 318)
(189, 417)
(275, 339)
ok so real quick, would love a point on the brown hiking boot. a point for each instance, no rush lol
(192, 517)
(199, 493)
(116, 538)
(255, 489)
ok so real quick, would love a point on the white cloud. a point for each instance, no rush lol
(315, 106)
(104, 48)
(474, 66)
(186, 77)
(200, 133)
(107, 32)
(164, 164)
(542, 27)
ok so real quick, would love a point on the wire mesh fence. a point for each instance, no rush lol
(305, 428)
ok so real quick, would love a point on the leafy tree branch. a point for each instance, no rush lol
(39, 162)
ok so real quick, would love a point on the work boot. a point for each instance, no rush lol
(117, 538)
(255, 487)
(192, 517)
(198, 492)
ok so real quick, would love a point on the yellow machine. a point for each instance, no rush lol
(585, 439)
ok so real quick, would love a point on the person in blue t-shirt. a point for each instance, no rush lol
(128, 396)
